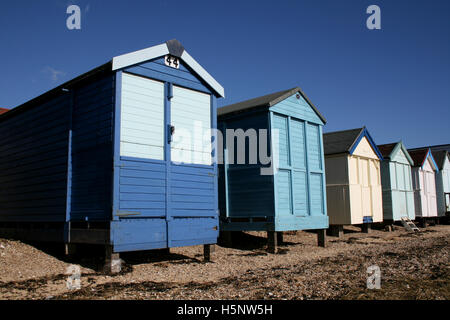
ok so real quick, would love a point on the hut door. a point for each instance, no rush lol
(430, 193)
(190, 127)
(447, 202)
(365, 188)
(191, 177)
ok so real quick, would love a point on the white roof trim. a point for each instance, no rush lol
(186, 57)
(140, 56)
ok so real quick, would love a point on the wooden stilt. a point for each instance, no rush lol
(70, 249)
(207, 252)
(322, 238)
(337, 231)
(226, 238)
(423, 223)
(279, 238)
(113, 264)
(366, 228)
(271, 242)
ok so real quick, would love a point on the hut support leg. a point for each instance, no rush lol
(70, 249)
(165, 251)
(271, 242)
(226, 238)
(279, 238)
(322, 238)
(337, 231)
(207, 250)
(423, 223)
(113, 264)
(366, 228)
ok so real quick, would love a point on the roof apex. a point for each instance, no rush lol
(172, 47)
(267, 100)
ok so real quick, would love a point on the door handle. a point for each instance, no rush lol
(171, 132)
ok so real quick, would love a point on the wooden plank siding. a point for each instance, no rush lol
(396, 179)
(33, 162)
(91, 151)
(153, 186)
(294, 197)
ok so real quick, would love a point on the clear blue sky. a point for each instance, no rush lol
(396, 80)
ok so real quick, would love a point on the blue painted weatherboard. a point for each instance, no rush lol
(246, 192)
(396, 180)
(33, 162)
(177, 201)
(91, 150)
(61, 158)
(294, 197)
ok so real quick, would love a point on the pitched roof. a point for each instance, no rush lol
(268, 100)
(346, 141)
(435, 148)
(3, 110)
(440, 157)
(386, 149)
(391, 149)
(174, 48)
(418, 156)
(340, 141)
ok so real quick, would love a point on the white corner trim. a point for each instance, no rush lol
(186, 57)
(136, 57)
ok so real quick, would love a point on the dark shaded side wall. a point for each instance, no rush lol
(250, 194)
(37, 176)
(33, 162)
(92, 150)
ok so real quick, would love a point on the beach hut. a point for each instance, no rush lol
(424, 184)
(442, 159)
(396, 181)
(442, 182)
(290, 195)
(113, 157)
(352, 162)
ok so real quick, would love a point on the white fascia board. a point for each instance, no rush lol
(186, 57)
(139, 56)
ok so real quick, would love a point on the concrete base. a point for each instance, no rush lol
(322, 238)
(113, 263)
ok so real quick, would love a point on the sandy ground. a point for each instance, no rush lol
(413, 266)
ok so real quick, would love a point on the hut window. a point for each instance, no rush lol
(298, 143)
(280, 124)
(191, 119)
(393, 175)
(314, 146)
(400, 176)
(142, 118)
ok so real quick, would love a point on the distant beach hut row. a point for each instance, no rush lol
(114, 158)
